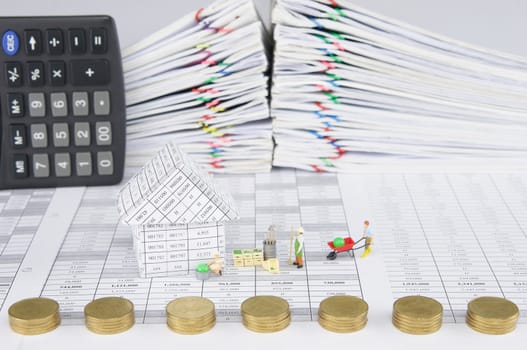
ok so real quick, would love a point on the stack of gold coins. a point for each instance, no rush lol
(109, 315)
(343, 314)
(265, 314)
(34, 316)
(417, 315)
(191, 315)
(492, 315)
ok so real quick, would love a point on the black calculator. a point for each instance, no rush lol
(62, 104)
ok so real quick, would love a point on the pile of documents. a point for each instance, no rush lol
(201, 82)
(351, 87)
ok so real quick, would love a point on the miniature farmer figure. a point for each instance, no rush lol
(299, 248)
(366, 232)
(216, 264)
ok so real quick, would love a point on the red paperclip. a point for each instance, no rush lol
(323, 87)
(317, 169)
(225, 30)
(328, 64)
(196, 16)
(341, 153)
(339, 46)
(321, 106)
(212, 103)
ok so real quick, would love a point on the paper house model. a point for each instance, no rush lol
(177, 214)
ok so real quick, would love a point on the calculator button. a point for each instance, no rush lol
(59, 104)
(10, 42)
(13, 71)
(40, 165)
(33, 42)
(37, 104)
(104, 163)
(83, 164)
(39, 136)
(57, 73)
(61, 135)
(18, 136)
(20, 166)
(55, 42)
(101, 103)
(82, 134)
(62, 165)
(80, 104)
(99, 40)
(15, 105)
(77, 41)
(90, 72)
(103, 133)
(35, 73)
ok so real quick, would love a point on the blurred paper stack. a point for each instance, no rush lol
(201, 82)
(351, 87)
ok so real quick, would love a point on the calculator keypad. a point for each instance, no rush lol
(62, 105)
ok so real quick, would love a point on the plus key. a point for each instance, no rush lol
(90, 72)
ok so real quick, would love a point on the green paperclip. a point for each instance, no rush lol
(326, 162)
(210, 80)
(204, 99)
(333, 76)
(338, 35)
(332, 97)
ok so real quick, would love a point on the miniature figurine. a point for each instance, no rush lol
(216, 264)
(291, 238)
(269, 244)
(202, 272)
(366, 233)
(272, 265)
(299, 248)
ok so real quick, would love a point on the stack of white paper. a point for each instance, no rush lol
(201, 83)
(353, 87)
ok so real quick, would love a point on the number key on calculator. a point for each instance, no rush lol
(62, 107)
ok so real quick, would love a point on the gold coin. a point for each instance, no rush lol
(493, 309)
(34, 316)
(419, 331)
(417, 307)
(342, 328)
(343, 307)
(190, 308)
(417, 314)
(265, 313)
(492, 328)
(492, 315)
(265, 306)
(268, 327)
(402, 320)
(109, 315)
(343, 313)
(191, 315)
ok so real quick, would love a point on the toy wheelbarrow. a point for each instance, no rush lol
(349, 246)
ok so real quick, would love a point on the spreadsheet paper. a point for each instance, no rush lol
(451, 237)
